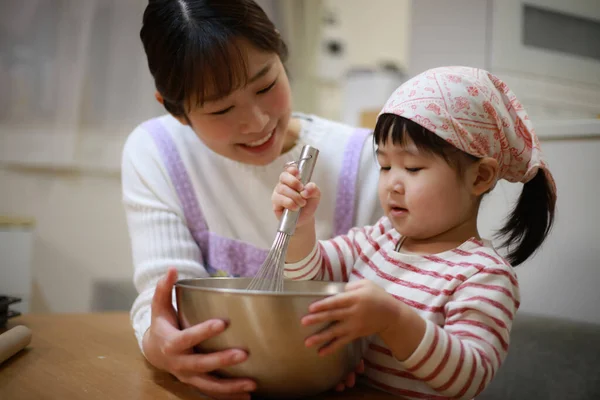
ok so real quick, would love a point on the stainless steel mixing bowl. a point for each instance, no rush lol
(267, 325)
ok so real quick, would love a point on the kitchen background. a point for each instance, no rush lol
(74, 83)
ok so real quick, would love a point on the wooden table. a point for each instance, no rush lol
(95, 356)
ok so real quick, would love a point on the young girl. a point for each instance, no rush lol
(435, 300)
(197, 182)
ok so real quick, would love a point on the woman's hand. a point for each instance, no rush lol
(170, 349)
(364, 309)
(292, 195)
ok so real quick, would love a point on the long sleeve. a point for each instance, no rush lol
(330, 260)
(459, 359)
(468, 297)
(159, 235)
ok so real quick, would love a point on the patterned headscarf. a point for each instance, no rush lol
(475, 112)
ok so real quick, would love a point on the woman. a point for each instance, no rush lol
(218, 70)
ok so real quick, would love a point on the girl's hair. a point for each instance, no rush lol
(400, 130)
(194, 47)
(532, 217)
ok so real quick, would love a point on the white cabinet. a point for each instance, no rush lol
(16, 244)
(552, 39)
(547, 51)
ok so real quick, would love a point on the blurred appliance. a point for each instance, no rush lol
(554, 39)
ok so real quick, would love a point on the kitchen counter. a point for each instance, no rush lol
(95, 356)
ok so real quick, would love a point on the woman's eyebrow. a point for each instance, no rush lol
(261, 73)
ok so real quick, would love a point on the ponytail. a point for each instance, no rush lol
(530, 221)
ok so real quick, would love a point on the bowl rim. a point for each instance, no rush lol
(181, 283)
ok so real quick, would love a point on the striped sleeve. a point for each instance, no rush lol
(460, 359)
(330, 260)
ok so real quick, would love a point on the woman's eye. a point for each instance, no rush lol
(265, 90)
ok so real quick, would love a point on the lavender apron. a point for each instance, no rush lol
(224, 256)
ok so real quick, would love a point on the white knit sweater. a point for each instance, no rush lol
(235, 199)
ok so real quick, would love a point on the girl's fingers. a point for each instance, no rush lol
(288, 192)
(326, 335)
(341, 300)
(282, 202)
(360, 369)
(311, 191)
(350, 380)
(334, 345)
(325, 316)
(290, 180)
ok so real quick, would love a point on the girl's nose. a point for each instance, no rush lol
(397, 187)
(394, 182)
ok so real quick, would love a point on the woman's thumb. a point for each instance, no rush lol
(162, 299)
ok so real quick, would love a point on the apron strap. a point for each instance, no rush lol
(179, 176)
(345, 209)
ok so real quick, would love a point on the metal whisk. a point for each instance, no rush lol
(270, 275)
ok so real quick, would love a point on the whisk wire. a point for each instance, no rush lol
(270, 277)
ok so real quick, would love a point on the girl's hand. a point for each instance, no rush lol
(350, 380)
(364, 309)
(170, 349)
(292, 195)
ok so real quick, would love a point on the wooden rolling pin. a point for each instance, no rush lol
(13, 341)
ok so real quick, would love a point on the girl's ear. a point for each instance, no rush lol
(483, 175)
(182, 120)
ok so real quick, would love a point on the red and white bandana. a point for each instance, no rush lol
(477, 113)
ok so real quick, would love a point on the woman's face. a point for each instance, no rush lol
(250, 124)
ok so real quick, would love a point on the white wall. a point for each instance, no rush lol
(372, 33)
(80, 234)
(448, 33)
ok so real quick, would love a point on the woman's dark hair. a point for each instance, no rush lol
(193, 47)
(531, 219)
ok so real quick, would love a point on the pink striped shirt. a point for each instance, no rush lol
(468, 297)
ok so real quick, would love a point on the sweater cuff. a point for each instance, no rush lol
(141, 326)
(307, 268)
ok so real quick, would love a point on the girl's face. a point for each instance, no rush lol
(250, 124)
(422, 195)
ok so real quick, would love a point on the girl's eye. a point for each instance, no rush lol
(221, 112)
(413, 169)
(265, 90)
(385, 168)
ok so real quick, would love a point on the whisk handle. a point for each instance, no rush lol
(306, 164)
